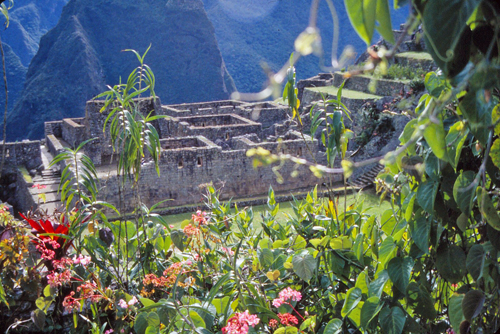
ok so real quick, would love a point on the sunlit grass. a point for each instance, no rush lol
(371, 202)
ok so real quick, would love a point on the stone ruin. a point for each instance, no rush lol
(202, 143)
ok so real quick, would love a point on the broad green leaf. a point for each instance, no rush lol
(488, 210)
(392, 320)
(387, 250)
(478, 113)
(475, 261)
(197, 319)
(352, 298)
(426, 195)
(38, 318)
(455, 312)
(399, 270)
(334, 326)
(421, 300)
(300, 243)
(341, 243)
(444, 21)
(435, 137)
(362, 16)
(384, 26)
(377, 286)
(463, 191)
(495, 118)
(220, 304)
(495, 152)
(286, 330)
(407, 135)
(304, 265)
(435, 84)
(177, 238)
(141, 323)
(455, 140)
(355, 314)
(450, 263)
(472, 304)
(363, 282)
(266, 257)
(370, 309)
(420, 233)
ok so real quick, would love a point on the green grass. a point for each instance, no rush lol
(350, 94)
(371, 201)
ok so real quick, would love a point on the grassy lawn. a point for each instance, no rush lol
(371, 201)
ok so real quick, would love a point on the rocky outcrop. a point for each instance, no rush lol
(84, 53)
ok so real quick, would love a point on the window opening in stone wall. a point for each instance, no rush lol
(181, 163)
(299, 152)
(282, 151)
(200, 162)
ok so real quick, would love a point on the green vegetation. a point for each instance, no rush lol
(369, 199)
(429, 263)
(399, 72)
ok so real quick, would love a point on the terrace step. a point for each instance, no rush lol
(416, 59)
(367, 179)
(362, 83)
(47, 183)
(352, 99)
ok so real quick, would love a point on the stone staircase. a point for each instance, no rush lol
(366, 180)
(46, 185)
(356, 92)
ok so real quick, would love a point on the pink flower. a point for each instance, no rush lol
(83, 260)
(228, 251)
(287, 319)
(287, 294)
(58, 279)
(171, 226)
(70, 303)
(188, 262)
(123, 304)
(200, 217)
(239, 323)
(273, 323)
(109, 331)
(39, 186)
(133, 301)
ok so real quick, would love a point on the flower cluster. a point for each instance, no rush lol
(240, 322)
(39, 186)
(71, 304)
(123, 304)
(285, 295)
(200, 217)
(167, 280)
(228, 251)
(191, 230)
(56, 279)
(273, 323)
(287, 319)
(83, 260)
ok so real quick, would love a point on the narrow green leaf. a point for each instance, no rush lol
(455, 312)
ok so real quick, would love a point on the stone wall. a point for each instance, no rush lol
(25, 153)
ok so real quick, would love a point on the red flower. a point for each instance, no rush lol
(287, 319)
(46, 226)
